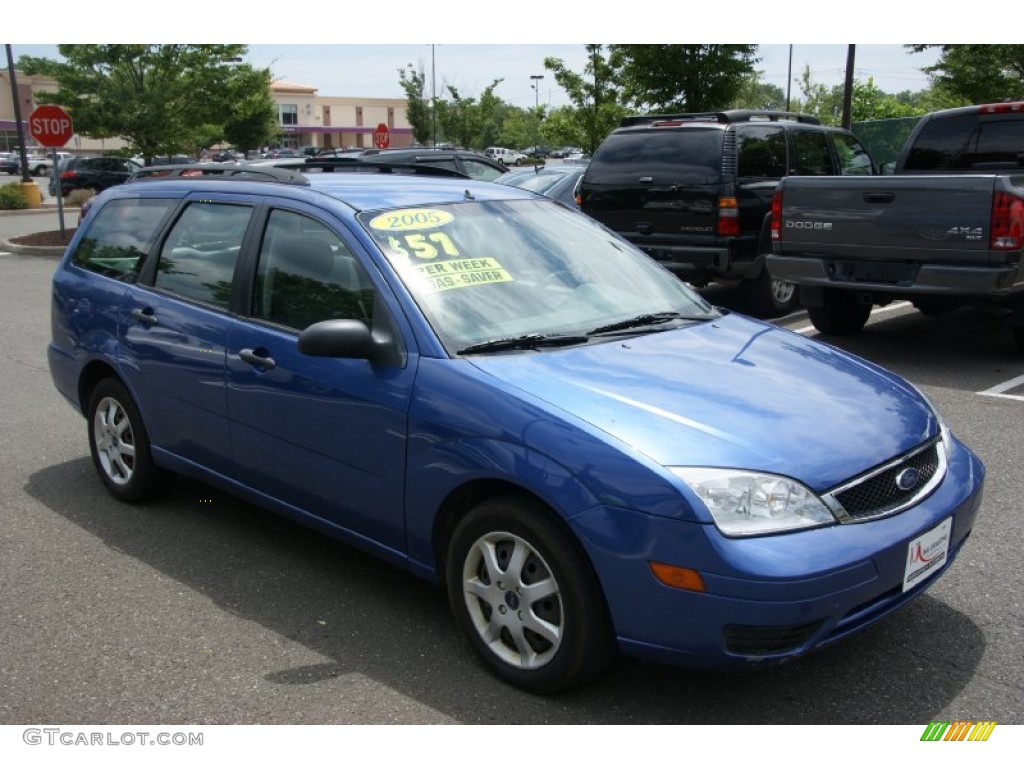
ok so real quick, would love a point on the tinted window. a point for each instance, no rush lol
(693, 156)
(762, 151)
(307, 274)
(120, 234)
(941, 142)
(198, 258)
(810, 154)
(854, 160)
(480, 171)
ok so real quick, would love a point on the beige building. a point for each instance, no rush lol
(304, 118)
(309, 120)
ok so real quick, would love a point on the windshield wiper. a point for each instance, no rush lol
(529, 341)
(656, 318)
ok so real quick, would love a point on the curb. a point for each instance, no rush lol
(32, 250)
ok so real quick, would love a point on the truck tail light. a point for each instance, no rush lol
(728, 217)
(1007, 222)
(777, 216)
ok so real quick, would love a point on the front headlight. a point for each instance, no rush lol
(753, 503)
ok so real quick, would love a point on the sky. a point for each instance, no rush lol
(363, 70)
(356, 50)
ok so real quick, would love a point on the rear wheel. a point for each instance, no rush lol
(840, 314)
(120, 445)
(767, 296)
(526, 597)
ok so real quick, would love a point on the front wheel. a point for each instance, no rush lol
(840, 314)
(42, 171)
(526, 597)
(120, 446)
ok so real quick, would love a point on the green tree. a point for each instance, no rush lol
(521, 127)
(754, 93)
(162, 99)
(977, 73)
(417, 106)
(251, 121)
(465, 121)
(594, 94)
(682, 78)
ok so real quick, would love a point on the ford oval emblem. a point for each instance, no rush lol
(908, 479)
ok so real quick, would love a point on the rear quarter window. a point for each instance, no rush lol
(119, 236)
(668, 156)
(967, 143)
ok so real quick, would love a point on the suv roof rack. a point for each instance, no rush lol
(726, 116)
(378, 163)
(220, 172)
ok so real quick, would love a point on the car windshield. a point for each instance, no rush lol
(487, 271)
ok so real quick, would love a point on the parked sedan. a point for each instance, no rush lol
(558, 182)
(507, 399)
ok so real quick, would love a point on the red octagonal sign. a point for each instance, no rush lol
(381, 136)
(50, 125)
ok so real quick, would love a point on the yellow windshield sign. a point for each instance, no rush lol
(462, 273)
(411, 219)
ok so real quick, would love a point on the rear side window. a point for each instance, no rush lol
(761, 152)
(120, 234)
(198, 258)
(668, 156)
(811, 154)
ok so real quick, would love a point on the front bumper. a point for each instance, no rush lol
(768, 599)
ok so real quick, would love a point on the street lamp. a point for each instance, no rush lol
(536, 89)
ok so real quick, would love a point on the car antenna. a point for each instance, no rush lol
(469, 195)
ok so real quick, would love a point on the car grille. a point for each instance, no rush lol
(760, 641)
(891, 487)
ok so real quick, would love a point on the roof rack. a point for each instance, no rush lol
(726, 116)
(368, 164)
(220, 172)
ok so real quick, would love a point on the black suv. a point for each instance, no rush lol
(95, 173)
(694, 190)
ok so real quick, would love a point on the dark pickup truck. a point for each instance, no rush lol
(945, 229)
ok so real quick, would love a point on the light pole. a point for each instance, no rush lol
(536, 89)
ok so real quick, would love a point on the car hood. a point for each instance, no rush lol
(733, 392)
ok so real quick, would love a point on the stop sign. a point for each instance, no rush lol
(50, 125)
(381, 136)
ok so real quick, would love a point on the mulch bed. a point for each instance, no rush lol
(45, 238)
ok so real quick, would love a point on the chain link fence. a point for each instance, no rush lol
(884, 138)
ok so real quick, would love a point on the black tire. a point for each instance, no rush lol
(1018, 338)
(120, 445)
(840, 314)
(42, 171)
(767, 297)
(574, 642)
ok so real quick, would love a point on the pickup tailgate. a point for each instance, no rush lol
(905, 219)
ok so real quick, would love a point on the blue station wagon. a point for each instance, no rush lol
(500, 395)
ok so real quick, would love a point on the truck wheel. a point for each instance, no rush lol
(767, 297)
(840, 314)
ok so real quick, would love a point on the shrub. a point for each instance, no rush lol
(79, 196)
(12, 198)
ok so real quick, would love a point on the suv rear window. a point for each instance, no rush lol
(691, 156)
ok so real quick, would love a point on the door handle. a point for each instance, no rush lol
(145, 316)
(263, 361)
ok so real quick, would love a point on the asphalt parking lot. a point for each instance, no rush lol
(202, 609)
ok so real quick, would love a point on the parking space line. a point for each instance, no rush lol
(878, 311)
(999, 390)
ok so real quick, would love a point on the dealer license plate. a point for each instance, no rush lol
(927, 553)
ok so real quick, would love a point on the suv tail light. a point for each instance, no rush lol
(68, 174)
(1007, 222)
(728, 217)
(777, 216)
